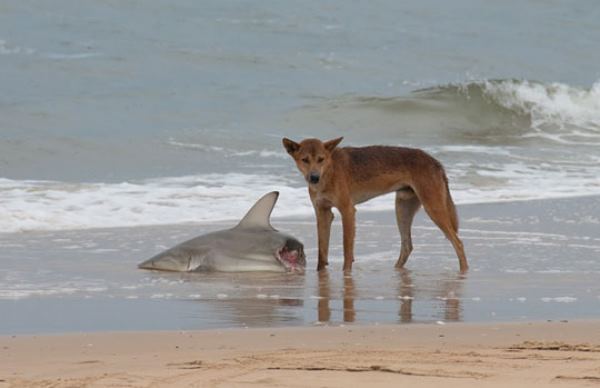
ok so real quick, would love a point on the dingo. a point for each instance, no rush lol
(344, 177)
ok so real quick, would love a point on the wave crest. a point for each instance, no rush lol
(555, 111)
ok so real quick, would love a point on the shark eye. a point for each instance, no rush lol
(305, 160)
(320, 159)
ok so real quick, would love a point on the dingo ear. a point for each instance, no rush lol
(331, 144)
(290, 146)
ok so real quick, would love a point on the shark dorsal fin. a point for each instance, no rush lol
(259, 215)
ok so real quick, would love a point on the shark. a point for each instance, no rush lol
(252, 245)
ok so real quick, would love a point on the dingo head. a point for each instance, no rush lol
(312, 156)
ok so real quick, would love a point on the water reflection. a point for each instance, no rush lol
(366, 296)
(445, 291)
(325, 296)
(257, 313)
(247, 299)
(349, 295)
(439, 298)
(324, 293)
(406, 295)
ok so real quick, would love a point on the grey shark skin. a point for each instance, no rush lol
(253, 245)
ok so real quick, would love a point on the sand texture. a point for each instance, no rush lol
(455, 355)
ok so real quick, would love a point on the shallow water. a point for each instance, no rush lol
(529, 261)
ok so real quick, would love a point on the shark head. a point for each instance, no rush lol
(291, 254)
(252, 245)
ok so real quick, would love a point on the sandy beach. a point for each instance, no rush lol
(564, 354)
(129, 127)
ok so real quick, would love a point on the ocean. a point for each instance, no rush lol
(143, 113)
(131, 114)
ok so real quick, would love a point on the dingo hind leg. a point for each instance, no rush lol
(437, 202)
(407, 205)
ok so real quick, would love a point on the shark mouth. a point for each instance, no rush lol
(291, 256)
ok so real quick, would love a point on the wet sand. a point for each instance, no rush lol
(454, 355)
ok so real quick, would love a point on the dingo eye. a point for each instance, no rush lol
(320, 159)
(305, 160)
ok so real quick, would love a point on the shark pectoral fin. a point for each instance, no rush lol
(259, 215)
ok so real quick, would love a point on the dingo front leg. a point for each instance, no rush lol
(324, 219)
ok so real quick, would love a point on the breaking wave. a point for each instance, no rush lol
(505, 110)
(520, 140)
(555, 111)
(54, 205)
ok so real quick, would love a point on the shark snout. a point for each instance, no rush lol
(167, 263)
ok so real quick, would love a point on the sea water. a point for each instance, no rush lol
(143, 113)
(140, 114)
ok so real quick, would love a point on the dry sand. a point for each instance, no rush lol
(453, 355)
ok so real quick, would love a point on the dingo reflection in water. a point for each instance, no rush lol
(410, 296)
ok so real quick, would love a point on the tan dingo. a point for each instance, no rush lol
(344, 177)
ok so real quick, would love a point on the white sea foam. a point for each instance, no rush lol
(23, 293)
(516, 270)
(53, 205)
(560, 299)
(73, 56)
(574, 111)
(8, 49)
(50, 205)
(507, 174)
